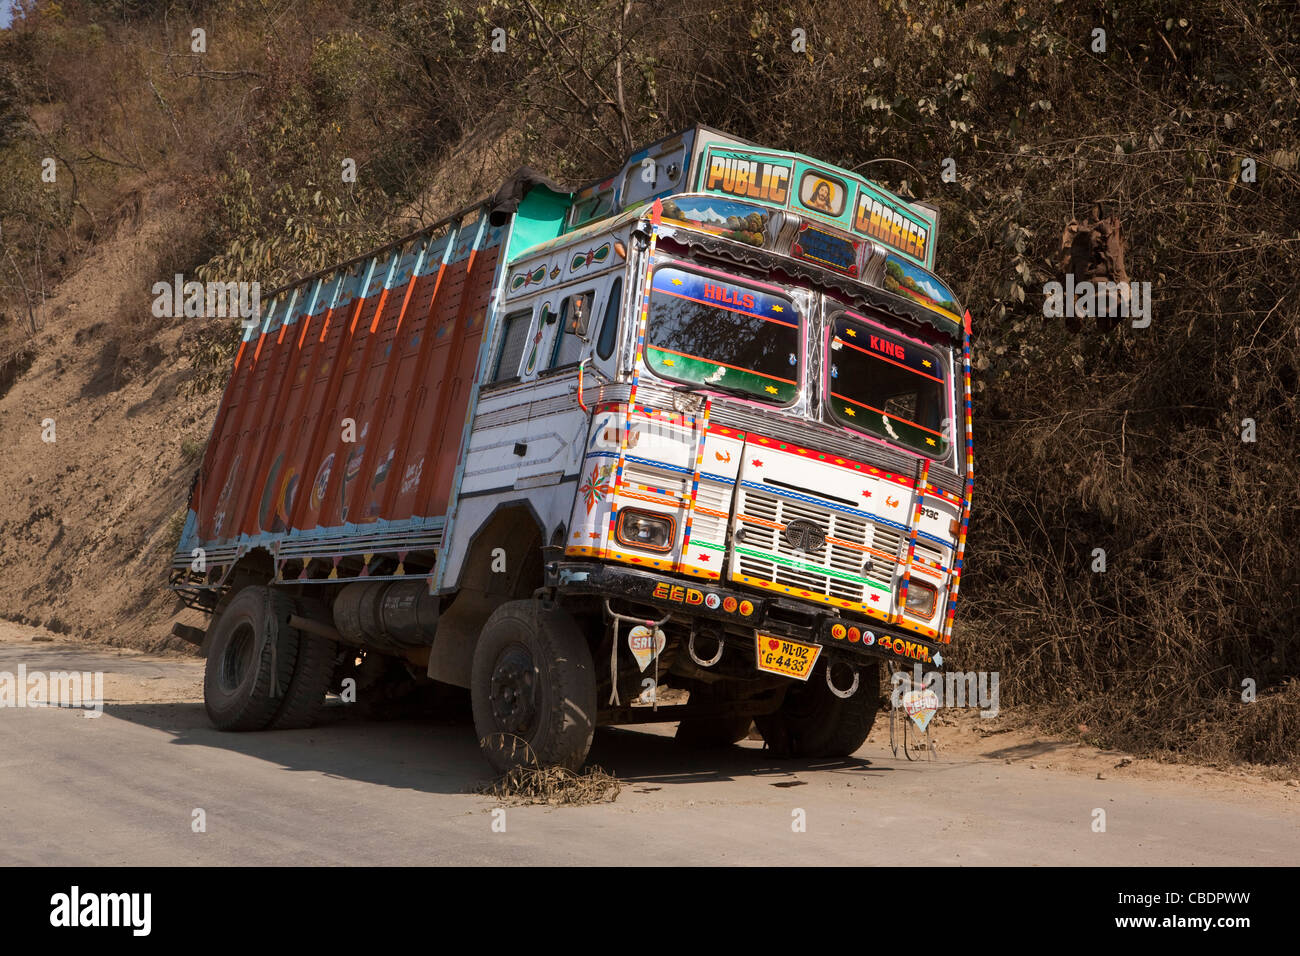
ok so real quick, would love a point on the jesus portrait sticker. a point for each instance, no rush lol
(822, 193)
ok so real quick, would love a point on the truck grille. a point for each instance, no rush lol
(835, 570)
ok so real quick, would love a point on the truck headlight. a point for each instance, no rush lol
(921, 599)
(642, 529)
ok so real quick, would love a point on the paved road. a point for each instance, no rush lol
(123, 788)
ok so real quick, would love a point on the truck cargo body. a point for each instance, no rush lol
(705, 416)
(382, 353)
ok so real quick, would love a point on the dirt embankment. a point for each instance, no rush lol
(87, 520)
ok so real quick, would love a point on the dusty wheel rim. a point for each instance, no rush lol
(514, 691)
(236, 659)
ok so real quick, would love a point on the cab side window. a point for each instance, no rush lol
(568, 344)
(609, 324)
(512, 345)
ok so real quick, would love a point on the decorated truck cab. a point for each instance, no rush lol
(691, 443)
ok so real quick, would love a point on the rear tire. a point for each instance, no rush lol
(251, 658)
(304, 699)
(533, 688)
(813, 722)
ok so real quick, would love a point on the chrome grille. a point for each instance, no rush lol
(835, 570)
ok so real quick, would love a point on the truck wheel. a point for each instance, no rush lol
(813, 722)
(304, 698)
(251, 658)
(533, 688)
(706, 733)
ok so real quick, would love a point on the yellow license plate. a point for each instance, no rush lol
(780, 655)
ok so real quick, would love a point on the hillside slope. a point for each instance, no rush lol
(87, 527)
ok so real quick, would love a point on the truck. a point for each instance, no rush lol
(689, 443)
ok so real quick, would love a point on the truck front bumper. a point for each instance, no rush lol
(688, 599)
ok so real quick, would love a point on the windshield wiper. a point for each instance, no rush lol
(728, 389)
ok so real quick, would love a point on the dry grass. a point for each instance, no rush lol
(554, 786)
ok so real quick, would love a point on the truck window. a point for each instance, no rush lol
(887, 386)
(568, 346)
(512, 345)
(709, 331)
(609, 325)
(588, 210)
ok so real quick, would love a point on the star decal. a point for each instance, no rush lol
(669, 362)
(866, 494)
(703, 557)
(756, 463)
(850, 412)
(875, 597)
(851, 333)
(677, 282)
(927, 363)
(929, 441)
(777, 308)
(771, 389)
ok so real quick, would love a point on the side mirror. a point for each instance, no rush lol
(579, 316)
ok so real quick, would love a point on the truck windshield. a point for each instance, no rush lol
(887, 386)
(720, 333)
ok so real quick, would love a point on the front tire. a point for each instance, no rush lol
(813, 722)
(533, 688)
(251, 659)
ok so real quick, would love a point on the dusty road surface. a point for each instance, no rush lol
(123, 788)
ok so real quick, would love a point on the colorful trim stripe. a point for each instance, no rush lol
(835, 602)
(656, 213)
(856, 512)
(959, 558)
(714, 363)
(612, 554)
(695, 479)
(924, 565)
(911, 542)
(829, 458)
(815, 568)
(897, 418)
(884, 358)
